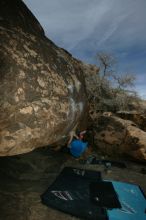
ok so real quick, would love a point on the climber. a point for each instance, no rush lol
(78, 145)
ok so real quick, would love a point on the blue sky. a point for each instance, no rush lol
(85, 27)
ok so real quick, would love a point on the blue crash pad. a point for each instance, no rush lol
(132, 200)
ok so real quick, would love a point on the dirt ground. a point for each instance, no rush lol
(24, 178)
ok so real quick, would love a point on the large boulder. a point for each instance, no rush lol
(42, 93)
(115, 136)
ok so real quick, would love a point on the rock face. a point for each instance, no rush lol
(116, 136)
(42, 94)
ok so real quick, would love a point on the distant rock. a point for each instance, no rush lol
(42, 92)
(143, 106)
(136, 117)
(115, 136)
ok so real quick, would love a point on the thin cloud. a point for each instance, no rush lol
(84, 27)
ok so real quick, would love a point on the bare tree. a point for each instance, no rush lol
(111, 91)
(106, 63)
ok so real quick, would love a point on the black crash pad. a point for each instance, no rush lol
(70, 193)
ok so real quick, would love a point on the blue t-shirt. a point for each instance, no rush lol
(77, 147)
